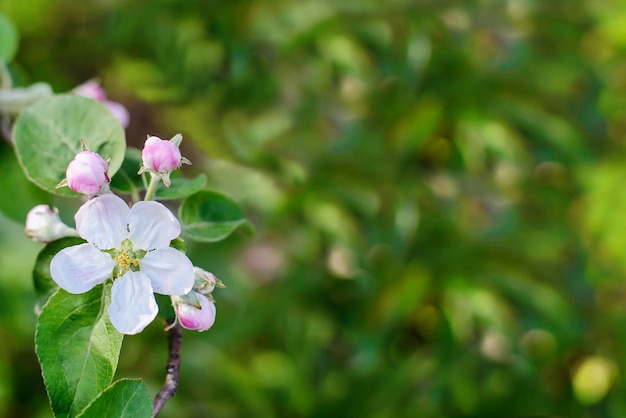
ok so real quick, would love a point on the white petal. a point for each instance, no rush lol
(79, 268)
(170, 271)
(152, 225)
(103, 221)
(133, 306)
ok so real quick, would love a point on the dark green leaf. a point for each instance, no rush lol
(209, 217)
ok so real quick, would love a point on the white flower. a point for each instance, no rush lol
(132, 246)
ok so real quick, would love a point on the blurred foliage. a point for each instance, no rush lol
(434, 185)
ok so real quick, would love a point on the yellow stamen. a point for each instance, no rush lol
(124, 261)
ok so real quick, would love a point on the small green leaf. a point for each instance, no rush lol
(8, 39)
(210, 217)
(127, 180)
(179, 244)
(126, 398)
(77, 347)
(47, 137)
(180, 187)
(44, 285)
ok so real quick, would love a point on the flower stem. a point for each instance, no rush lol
(175, 338)
(154, 182)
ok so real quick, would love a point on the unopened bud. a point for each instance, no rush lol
(86, 174)
(43, 224)
(194, 311)
(161, 157)
(205, 282)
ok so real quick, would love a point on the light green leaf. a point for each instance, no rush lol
(210, 217)
(42, 280)
(78, 348)
(126, 398)
(47, 137)
(8, 39)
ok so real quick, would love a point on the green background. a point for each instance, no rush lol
(436, 188)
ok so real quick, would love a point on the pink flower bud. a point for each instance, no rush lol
(44, 225)
(159, 155)
(87, 173)
(198, 316)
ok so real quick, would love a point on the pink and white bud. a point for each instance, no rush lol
(194, 311)
(43, 224)
(86, 174)
(161, 157)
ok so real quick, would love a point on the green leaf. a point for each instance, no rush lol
(127, 180)
(180, 187)
(44, 285)
(47, 137)
(8, 39)
(126, 398)
(77, 347)
(179, 244)
(210, 217)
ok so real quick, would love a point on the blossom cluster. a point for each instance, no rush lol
(128, 245)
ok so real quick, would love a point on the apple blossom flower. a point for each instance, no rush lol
(160, 157)
(43, 224)
(93, 90)
(131, 246)
(86, 173)
(194, 311)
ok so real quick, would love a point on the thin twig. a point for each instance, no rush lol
(175, 338)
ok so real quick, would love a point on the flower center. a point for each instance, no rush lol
(125, 260)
